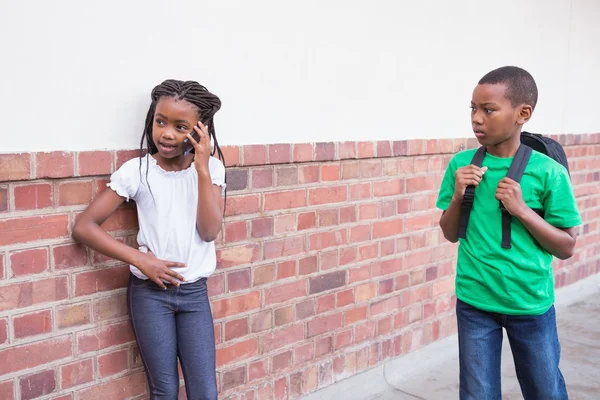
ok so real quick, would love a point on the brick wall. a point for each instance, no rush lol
(331, 262)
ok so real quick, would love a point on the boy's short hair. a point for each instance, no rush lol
(521, 87)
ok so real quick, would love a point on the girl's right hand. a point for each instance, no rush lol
(467, 176)
(159, 270)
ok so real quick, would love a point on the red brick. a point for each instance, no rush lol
(289, 246)
(303, 353)
(236, 328)
(348, 255)
(285, 223)
(35, 196)
(305, 309)
(113, 306)
(401, 282)
(366, 291)
(37, 385)
(326, 282)
(324, 240)
(262, 227)
(122, 156)
(325, 303)
(387, 228)
(386, 287)
(347, 214)
(7, 390)
(35, 323)
(281, 389)
(390, 167)
(29, 293)
(360, 233)
(263, 274)
(233, 379)
(343, 339)
(281, 361)
(29, 262)
(255, 154)
(94, 163)
(3, 199)
(238, 280)
(323, 346)
(400, 148)
(330, 172)
(307, 220)
(386, 267)
(308, 174)
(328, 217)
(389, 188)
(73, 315)
(237, 179)
(384, 149)
(387, 209)
(328, 260)
(237, 352)
(308, 265)
(355, 314)
(55, 164)
(282, 293)
(101, 280)
(258, 369)
(324, 151)
(417, 259)
(231, 155)
(261, 321)
(324, 324)
(285, 200)
(15, 167)
(360, 274)
(77, 373)
(238, 255)
(370, 169)
(113, 363)
(286, 176)
(286, 269)
(388, 247)
(366, 150)
(327, 195)
(325, 374)
(364, 331)
(360, 191)
(367, 211)
(235, 231)
(279, 153)
(3, 331)
(103, 337)
(262, 177)
(284, 315)
(282, 338)
(418, 222)
(117, 389)
(34, 354)
(419, 184)
(382, 306)
(345, 298)
(69, 256)
(303, 152)
(28, 229)
(237, 205)
(236, 305)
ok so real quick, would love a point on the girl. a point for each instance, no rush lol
(178, 197)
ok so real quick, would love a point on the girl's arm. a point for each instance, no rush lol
(87, 230)
(209, 215)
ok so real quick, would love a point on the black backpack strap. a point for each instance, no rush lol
(469, 197)
(515, 172)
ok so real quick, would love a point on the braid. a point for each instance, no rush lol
(206, 102)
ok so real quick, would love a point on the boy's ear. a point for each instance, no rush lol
(525, 111)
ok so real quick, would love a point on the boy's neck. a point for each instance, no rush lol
(505, 149)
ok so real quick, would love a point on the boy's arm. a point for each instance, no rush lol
(558, 241)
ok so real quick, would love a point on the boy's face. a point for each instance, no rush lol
(493, 117)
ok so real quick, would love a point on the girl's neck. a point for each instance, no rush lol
(178, 163)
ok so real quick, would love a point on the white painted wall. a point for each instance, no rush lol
(77, 74)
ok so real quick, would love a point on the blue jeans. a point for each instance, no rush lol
(173, 323)
(535, 348)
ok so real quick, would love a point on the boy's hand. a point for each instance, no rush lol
(201, 148)
(509, 193)
(467, 176)
(160, 270)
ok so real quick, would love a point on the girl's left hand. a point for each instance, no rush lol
(202, 148)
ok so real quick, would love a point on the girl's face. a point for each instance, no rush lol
(173, 120)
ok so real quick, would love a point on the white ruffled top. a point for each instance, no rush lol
(166, 206)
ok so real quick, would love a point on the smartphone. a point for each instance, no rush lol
(187, 145)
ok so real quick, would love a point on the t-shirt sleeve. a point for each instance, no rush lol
(126, 180)
(447, 186)
(217, 172)
(560, 206)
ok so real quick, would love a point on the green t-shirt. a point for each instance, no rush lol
(519, 280)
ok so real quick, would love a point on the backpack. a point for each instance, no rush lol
(529, 142)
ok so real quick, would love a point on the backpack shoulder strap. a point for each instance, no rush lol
(469, 197)
(515, 172)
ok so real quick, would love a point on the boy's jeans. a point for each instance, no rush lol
(534, 344)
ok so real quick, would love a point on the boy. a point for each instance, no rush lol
(508, 288)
